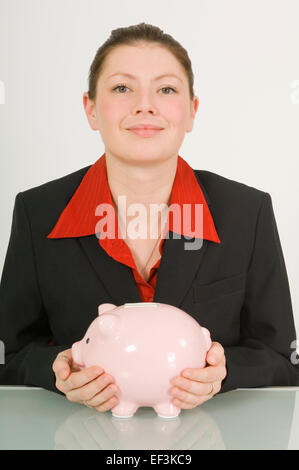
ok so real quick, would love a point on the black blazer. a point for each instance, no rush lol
(238, 289)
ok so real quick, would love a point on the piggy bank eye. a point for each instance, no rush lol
(87, 341)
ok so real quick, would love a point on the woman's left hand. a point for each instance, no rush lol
(202, 383)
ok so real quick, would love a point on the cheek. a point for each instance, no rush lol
(175, 112)
(111, 112)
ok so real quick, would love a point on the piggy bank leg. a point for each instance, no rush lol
(124, 409)
(167, 410)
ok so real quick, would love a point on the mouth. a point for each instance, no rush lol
(143, 132)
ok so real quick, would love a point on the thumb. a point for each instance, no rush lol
(63, 366)
(215, 353)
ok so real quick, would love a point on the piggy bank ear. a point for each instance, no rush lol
(207, 337)
(107, 323)
(105, 308)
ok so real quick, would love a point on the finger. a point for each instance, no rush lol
(192, 386)
(188, 406)
(186, 403)
(111, 403)
(215, 354)
(104, 395)
(184, 396)
(183, 405)
(61, 365)
(79, 379)
(90, 389)
(206, 374)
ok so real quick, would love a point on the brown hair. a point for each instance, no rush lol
(132, 35)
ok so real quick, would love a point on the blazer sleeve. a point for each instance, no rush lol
(266, 355)
(24, 327)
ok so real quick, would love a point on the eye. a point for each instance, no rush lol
(164, 88)
(120, 86)
(87, 341)
(168, 88)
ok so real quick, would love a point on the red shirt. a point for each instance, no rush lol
(79, 219)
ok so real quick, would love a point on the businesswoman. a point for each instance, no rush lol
(59, 267)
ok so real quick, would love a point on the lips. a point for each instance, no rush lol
(142, 132)
(145, 126)
(145, 130)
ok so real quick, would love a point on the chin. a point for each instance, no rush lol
(144, 158)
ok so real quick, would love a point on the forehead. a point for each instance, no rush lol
(138, 60)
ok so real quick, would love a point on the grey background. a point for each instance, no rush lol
(246, 64)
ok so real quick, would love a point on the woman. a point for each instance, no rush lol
(59, 267)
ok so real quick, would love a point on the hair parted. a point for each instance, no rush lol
(132, 35)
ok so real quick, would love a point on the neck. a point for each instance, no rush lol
(146, 184)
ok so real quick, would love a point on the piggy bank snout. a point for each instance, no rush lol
(207, 337)
(76, 353)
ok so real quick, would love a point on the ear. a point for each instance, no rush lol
(107, 323)
(89, 107)
(193, 110)
(105, 308)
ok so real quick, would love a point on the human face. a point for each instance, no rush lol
(122, 102)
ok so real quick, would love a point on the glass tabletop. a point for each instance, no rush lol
(263, 418)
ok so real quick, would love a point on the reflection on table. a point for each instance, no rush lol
(33, 418)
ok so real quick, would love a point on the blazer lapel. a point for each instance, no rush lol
(179, 266)
(177, 269)
(117, 278)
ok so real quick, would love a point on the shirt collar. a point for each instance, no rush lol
(79, 219)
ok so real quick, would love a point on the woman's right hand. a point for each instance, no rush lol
(91, 386)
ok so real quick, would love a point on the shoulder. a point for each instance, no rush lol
(54, 192)
(222, 190)
(44, 203)
(61, 186)
(233, 202)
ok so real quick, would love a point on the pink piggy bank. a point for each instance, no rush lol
(143, 346)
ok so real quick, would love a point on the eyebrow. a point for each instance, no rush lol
(155, 79)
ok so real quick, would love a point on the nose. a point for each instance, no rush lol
(144, 104)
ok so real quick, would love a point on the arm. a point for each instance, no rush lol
(24, 326)
(267, 325)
